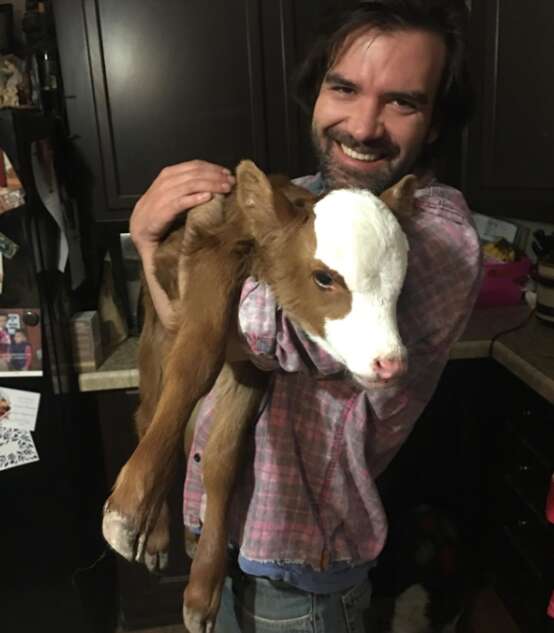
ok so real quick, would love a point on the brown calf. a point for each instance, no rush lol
(284, 236)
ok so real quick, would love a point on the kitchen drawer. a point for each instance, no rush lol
(538, 434)
(526, 472)
(530, 531)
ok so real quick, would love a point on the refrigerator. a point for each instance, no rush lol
(55, 572)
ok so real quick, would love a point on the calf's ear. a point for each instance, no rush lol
(253, 187)
(400, 198)
(264, 206)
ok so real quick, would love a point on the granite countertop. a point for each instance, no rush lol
(523, 345)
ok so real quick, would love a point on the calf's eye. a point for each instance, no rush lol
(323, 279)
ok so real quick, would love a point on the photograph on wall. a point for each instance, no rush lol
(20, 342)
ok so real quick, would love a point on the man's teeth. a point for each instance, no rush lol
(350, 152)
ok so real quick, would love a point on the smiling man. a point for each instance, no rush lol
(374, 112)
(383, 82)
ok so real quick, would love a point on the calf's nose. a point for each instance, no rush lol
(389, 367)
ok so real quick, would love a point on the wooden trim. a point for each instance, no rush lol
(289, 55)
(257, 105)
(490, 76)
(101, 105)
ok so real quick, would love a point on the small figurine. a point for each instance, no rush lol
(12, 81)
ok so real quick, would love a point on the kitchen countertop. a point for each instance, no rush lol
(527, 351)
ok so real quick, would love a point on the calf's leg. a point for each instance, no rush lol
(123, 537)
(239, 389)
(192, 365)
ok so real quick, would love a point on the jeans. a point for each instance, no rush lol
(251, 604)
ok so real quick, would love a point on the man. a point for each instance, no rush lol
(307, 523)
(21, 352)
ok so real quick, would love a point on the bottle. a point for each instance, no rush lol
(42, 58)
(545, 291)
(48, 74)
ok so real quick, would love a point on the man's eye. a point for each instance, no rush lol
(346, 90)
(404, 106)
(323, 279)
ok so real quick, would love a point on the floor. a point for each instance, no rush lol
(489, 616)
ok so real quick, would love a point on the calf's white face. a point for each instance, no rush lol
(358, 237)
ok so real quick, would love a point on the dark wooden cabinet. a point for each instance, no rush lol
(510, 145)
(519, 541)
(174, 81)
(483, 451)
(150, 84)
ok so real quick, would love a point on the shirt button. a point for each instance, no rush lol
(196, 457)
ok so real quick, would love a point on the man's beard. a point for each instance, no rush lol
(339, 176)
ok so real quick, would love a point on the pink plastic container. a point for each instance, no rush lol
(502, 283)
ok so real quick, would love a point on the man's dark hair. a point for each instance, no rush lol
(447, 18)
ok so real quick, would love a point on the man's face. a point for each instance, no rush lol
(374, 110)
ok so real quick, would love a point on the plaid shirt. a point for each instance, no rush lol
(306, 495)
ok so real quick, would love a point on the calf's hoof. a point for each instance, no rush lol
(195, 621)
(201, 602)
(122, 535)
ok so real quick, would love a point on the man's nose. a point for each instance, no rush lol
(366, 122)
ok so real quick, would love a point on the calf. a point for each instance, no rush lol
(336, 266)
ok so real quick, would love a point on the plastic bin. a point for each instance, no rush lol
(503, 283)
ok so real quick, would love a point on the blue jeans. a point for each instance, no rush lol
(251, 604)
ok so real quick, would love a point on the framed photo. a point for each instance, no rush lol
(20, 342)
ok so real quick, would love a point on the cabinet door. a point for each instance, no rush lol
(173, 81)
(519, 542)
(510, 149)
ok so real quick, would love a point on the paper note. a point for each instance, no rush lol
(18, 409)
(16, 448)
(493, 229)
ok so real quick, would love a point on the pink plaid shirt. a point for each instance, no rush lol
(307, 495)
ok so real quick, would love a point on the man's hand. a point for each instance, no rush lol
(177, 189)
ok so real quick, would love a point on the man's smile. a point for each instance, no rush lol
(359, 160)
(365, 156)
